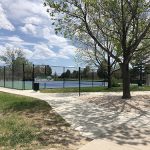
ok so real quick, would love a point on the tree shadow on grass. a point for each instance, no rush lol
(30, 106)
(55, 131)
(51, 130)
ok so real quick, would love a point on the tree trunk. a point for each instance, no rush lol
(109, 73)
(109, 81)
(126, 81)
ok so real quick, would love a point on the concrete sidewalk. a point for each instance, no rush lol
(109, 145)
(97, 122)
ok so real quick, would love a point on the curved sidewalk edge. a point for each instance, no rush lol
(108, 145)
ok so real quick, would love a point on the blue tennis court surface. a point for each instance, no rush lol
(61, 84)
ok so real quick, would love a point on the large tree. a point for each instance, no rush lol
(125, 22)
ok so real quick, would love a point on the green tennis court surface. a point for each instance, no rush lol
(17, 84)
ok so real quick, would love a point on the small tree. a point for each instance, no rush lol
(102, 70)
(86, 72)
(55, 75)
(13, 56)
(75, 74)
(48, 70)
(67, 73)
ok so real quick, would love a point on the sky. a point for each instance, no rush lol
(25, 24)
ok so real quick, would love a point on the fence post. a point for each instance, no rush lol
(45, 77)
(23, 84)
(4, 75)
(79, 81)
(141, 79)
(92, 77)
(63, 77)
(33, 78)
(12, 75)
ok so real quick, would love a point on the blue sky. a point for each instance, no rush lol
(25, 24)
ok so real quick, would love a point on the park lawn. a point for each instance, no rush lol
(94, 89)
(28, 123)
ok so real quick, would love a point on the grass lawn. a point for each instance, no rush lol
(95, 89)
(28, 123)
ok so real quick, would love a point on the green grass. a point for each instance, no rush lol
(9, 102)
(94, 89)
(16, 130)
(19, 121)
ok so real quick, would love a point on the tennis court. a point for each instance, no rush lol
(51, 84)
(23, 76)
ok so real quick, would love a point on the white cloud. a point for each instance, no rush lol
(65, 48)
(15, 39)
(49, 34)
(2, 49)
(10, 45)
(29, 29)
(28, 53)
(19, 9)
(4, 22)
(69, 50)
(11, 38)
(33, 20)
(42, 51)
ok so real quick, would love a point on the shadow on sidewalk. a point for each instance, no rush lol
(109, 117)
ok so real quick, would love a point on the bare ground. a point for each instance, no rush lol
(54, 133)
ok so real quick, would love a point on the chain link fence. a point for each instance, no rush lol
(50, 77)
(24, 76)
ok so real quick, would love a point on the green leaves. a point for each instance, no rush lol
(120, 21)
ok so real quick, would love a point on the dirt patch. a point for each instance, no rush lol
(56, 133)
(53, 132)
